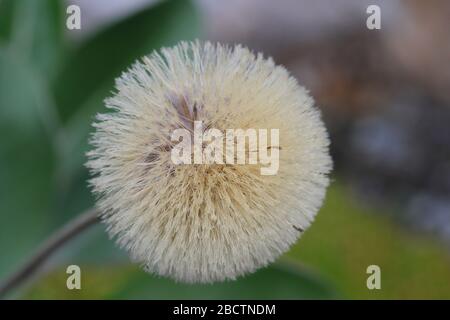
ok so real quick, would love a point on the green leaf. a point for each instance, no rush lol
(30, 44)
(275, 282)
(6, 18)
(34, 30)
(26, 162)
(89, 73)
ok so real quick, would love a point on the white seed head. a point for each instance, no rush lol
(206, 222)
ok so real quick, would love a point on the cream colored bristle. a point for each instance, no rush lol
(206, 222)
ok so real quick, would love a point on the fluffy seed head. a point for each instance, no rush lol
(206, 222)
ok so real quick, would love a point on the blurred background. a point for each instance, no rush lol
(385, 97)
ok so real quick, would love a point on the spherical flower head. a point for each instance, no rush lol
(207, 222)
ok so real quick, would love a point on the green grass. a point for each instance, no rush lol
(346, 238)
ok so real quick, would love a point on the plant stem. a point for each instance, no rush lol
(49, 247)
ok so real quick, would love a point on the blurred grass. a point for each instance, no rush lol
(347, 237)
(329, 261)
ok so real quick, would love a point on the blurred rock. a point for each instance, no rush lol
(431, 213)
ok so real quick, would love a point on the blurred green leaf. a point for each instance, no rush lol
(6, 18)
(275, 282)
(41, 163)
(280, 281)
(26, 161)
(30, 44)
(34, 29)
(90, 71)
